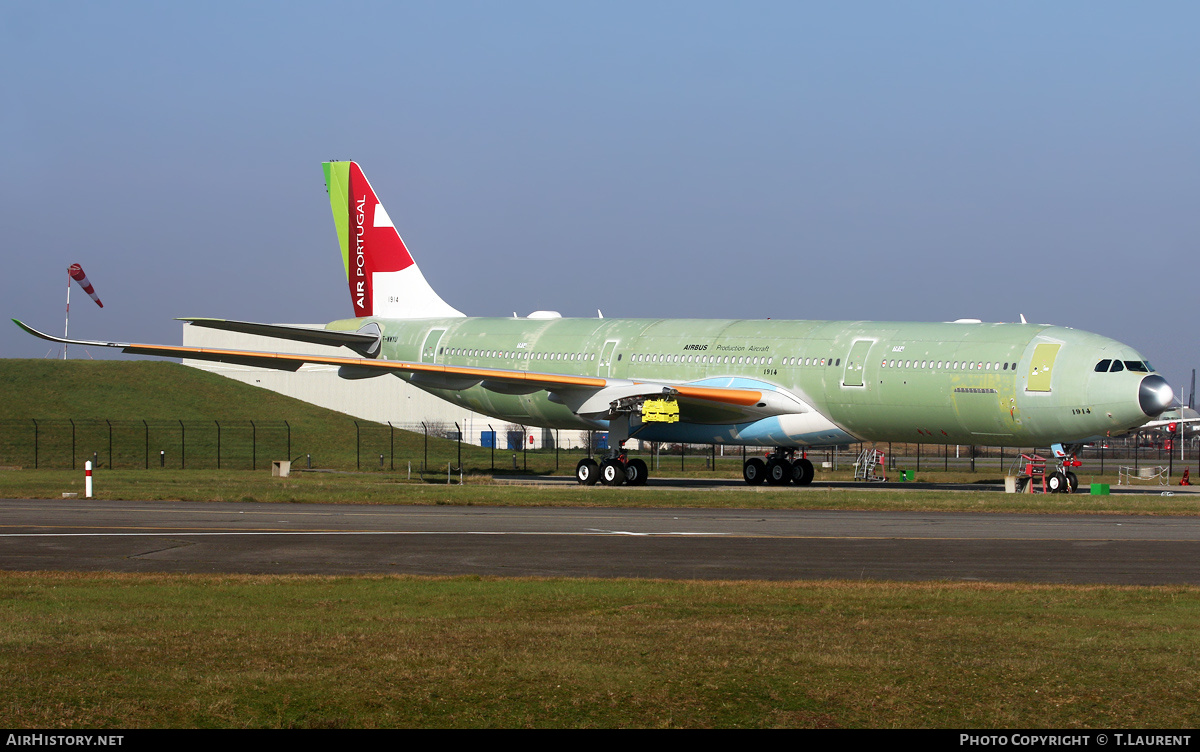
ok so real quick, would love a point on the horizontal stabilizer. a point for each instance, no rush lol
(364, 341)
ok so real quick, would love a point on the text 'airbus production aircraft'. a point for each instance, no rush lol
(789, 385)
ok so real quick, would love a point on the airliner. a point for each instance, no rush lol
(785, 386)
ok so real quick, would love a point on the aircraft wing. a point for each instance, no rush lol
(587, 396)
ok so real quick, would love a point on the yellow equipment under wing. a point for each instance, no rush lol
(660, 411)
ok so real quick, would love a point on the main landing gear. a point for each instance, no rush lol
(612, 471)
(780, 468)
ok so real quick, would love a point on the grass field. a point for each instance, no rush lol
(479, 490)
(208, 651)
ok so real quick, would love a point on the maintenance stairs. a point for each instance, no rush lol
(870, 466)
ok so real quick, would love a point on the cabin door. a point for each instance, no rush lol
(856, 362)
(429, 349)
(1041, 367)
(605, 366)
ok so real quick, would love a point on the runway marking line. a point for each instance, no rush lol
(592, 533)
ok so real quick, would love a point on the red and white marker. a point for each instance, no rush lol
(87, 479)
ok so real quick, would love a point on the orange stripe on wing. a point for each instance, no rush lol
(387, 365)
(744, 397)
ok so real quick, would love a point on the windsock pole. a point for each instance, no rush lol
(67, 326)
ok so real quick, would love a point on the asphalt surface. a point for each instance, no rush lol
(132, 536)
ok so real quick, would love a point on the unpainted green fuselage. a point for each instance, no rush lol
(949, 383)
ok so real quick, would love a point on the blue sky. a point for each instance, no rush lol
(894, 161)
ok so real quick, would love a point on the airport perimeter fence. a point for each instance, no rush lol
(437, 449)
(175, 444)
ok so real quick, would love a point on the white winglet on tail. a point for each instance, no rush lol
(383, 278)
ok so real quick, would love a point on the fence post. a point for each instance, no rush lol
(106, 420)
(253, 446)
(218, 443)
(288, 426)
(182, 446)
(425, 462)
(147, 427)
(72, 443)
(391, 446)
(493, 432)
(35, 443)
(357, 450)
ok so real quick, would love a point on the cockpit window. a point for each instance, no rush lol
(1136, 365)
(1149, 367)
(1102, 366)
(1116, 366)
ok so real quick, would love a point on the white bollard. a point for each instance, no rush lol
(87, 479)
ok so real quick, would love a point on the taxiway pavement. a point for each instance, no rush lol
(132, 536)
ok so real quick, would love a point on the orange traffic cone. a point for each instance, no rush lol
(1186, 475)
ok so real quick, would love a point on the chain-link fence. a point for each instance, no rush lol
(176, 444)
(440, 447)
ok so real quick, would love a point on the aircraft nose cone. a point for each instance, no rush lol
(1155, 395)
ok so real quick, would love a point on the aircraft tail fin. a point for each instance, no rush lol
(382, 276)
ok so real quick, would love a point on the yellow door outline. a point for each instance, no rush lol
(1041, 368)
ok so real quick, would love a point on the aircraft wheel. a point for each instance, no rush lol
(1056, 483)
(612, 472)
(636, 473)
(1073, 480)
(587, 472)
(779, 471)
(803, 472)
(754, 471)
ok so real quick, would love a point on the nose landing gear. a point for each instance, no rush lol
(1064, 479)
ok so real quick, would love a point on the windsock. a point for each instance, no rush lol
(76, 272)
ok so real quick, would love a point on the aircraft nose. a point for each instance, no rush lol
(1155, 395)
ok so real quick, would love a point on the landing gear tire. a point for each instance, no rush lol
(612, 472)
(587, 472)
(779, 471)
(1057, 483)
(754, 471)
(636, 473)
(1073, 481)
(803, 472)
